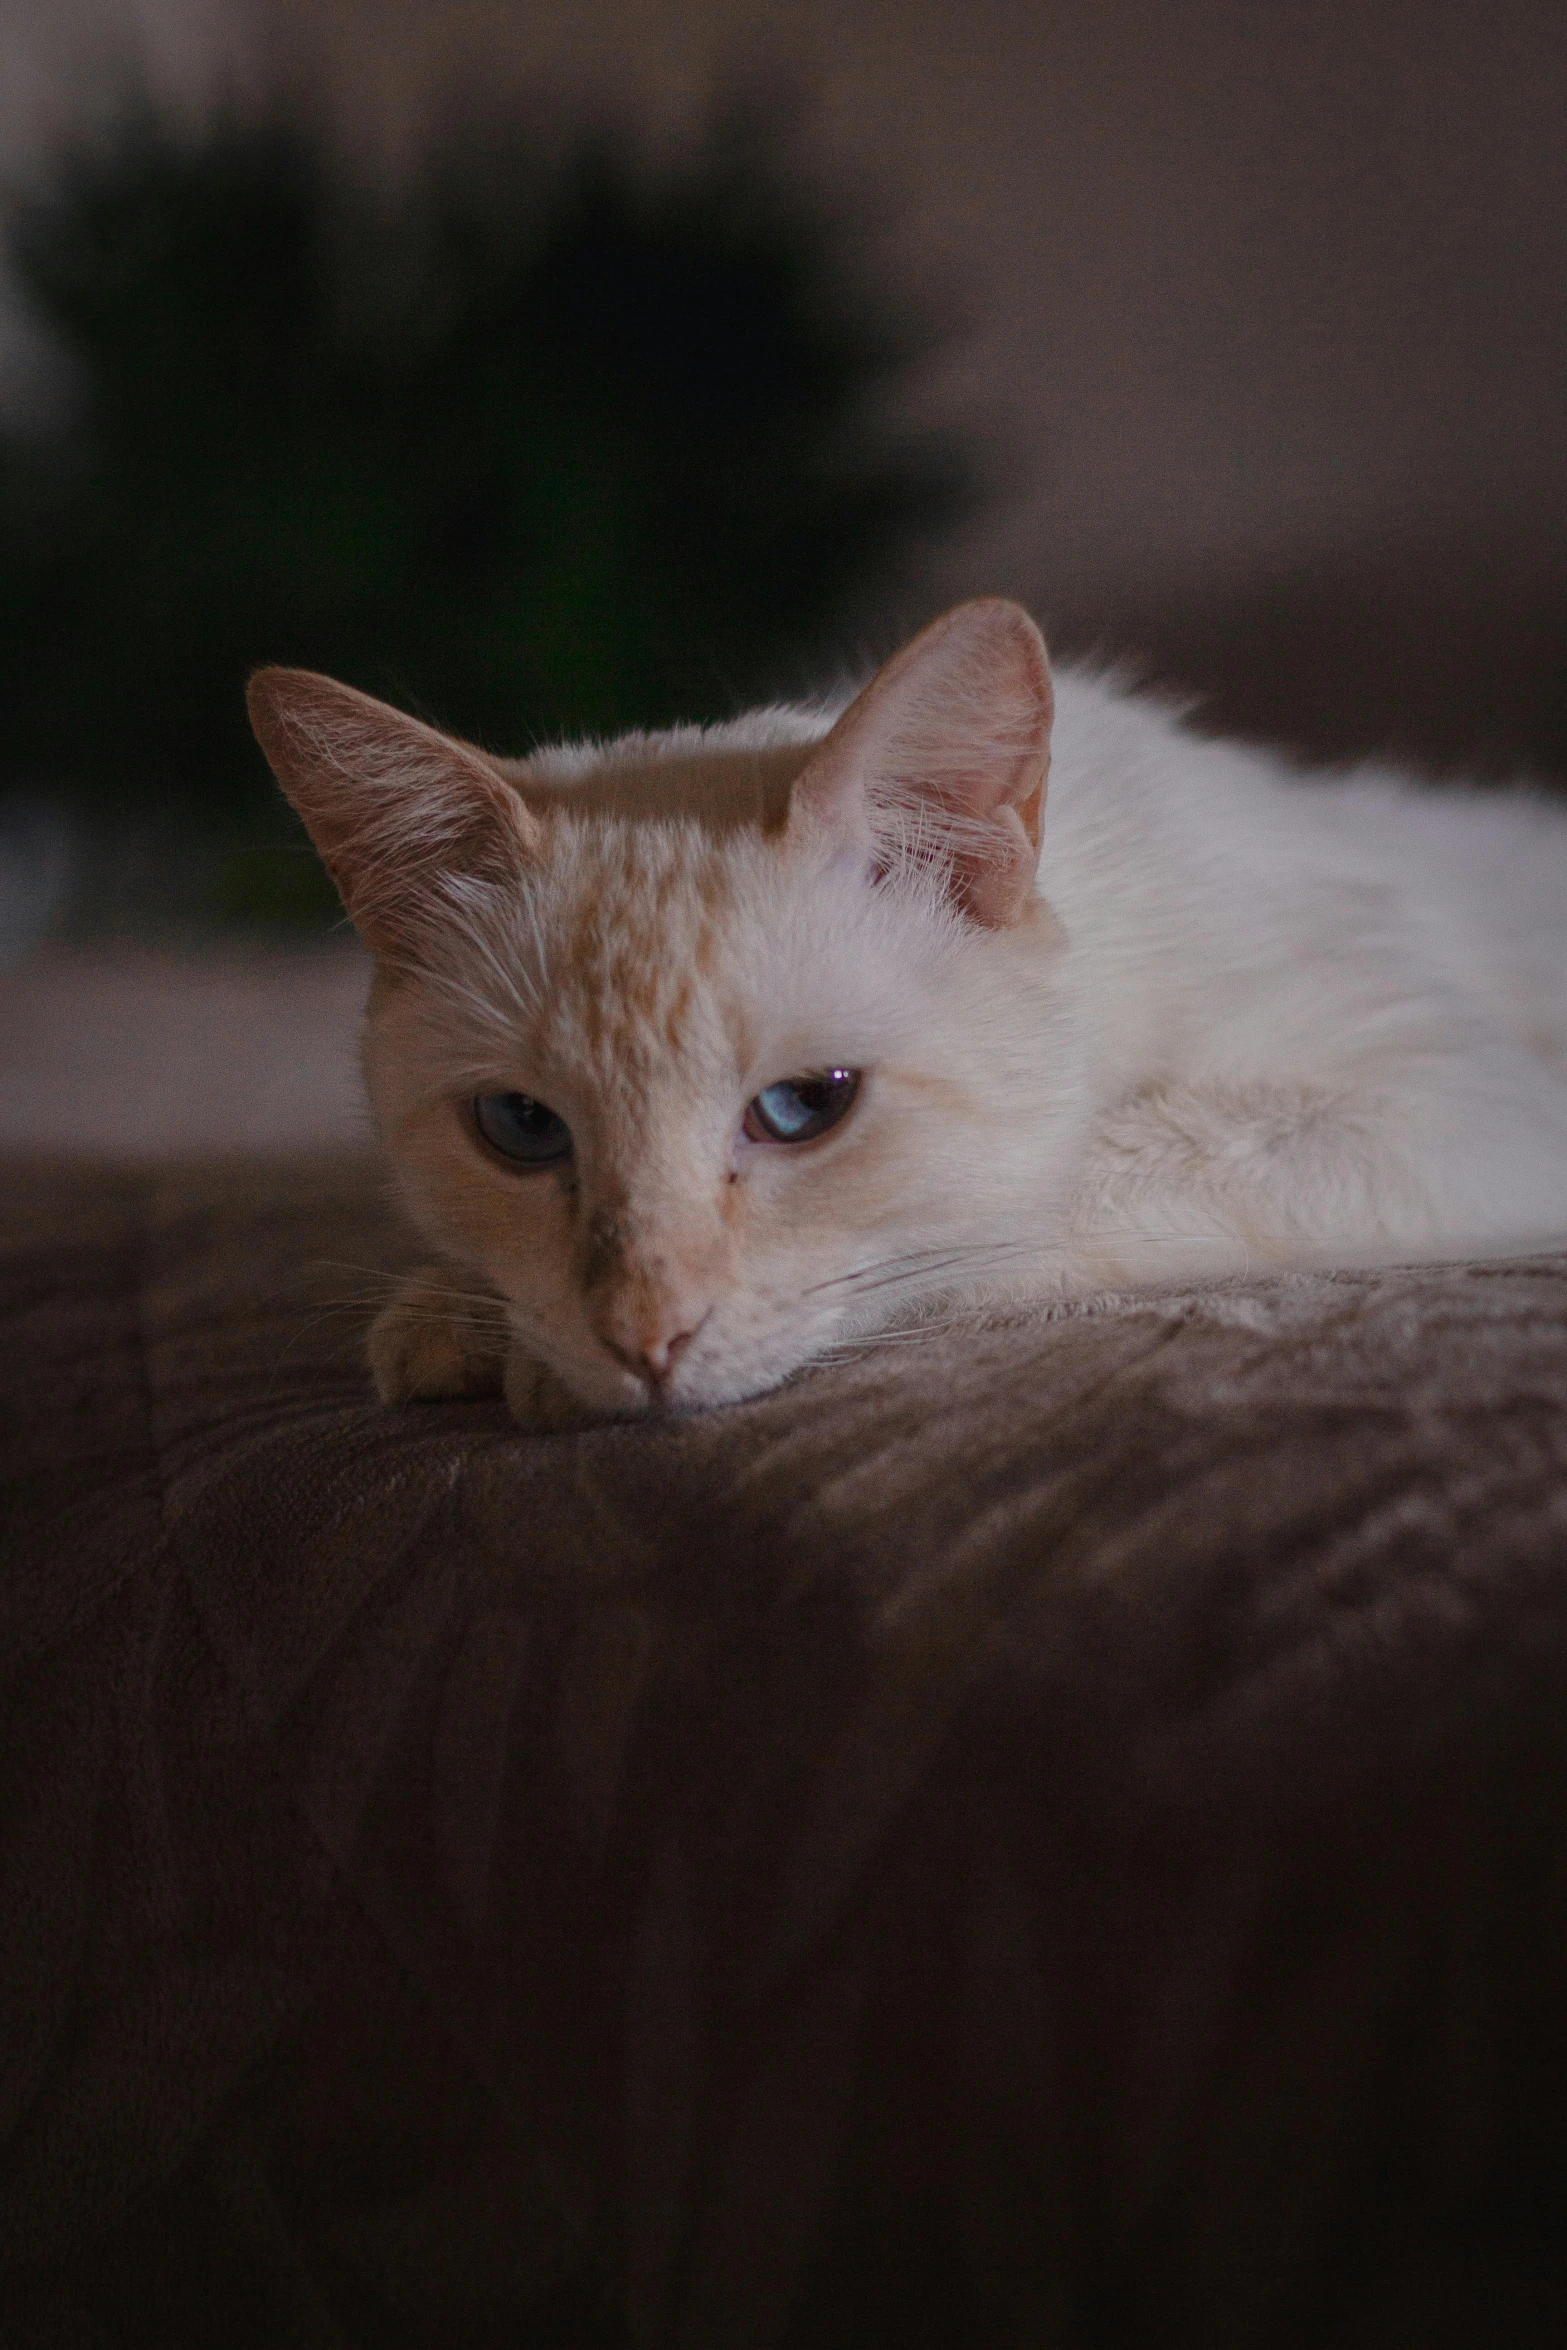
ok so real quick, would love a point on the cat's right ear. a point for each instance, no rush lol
(394, 807)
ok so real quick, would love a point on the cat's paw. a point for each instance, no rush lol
(441, 1335)
(538, 1399)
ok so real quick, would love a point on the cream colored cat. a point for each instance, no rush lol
(699, 1053)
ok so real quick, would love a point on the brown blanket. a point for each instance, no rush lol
(1051, 1835)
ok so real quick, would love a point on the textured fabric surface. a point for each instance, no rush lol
(1052, 1834)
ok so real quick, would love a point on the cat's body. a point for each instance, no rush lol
(1239, 1019)
(1318, 1016)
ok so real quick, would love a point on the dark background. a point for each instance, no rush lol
(1231, 338)
(1261, 336)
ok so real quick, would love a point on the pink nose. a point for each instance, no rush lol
(649, 1345)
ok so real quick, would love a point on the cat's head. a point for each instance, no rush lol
(713, 1048)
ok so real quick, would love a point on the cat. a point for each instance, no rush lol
(700, 1053)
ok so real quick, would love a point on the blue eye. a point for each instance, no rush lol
(797, 1109)
(520, 1128)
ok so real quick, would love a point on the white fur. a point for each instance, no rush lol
(1324, 1016)
(1247, 1018)
(1300, 1017)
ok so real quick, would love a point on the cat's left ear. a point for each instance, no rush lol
(942, 761)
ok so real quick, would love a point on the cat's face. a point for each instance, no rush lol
(703, 1096)
(650, 986)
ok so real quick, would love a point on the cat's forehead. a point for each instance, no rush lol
(660, 938)
(659, 954)
(663, 889)
(721, 777)
(623, 901)
(666, 927)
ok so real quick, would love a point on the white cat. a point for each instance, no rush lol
(698, 1053)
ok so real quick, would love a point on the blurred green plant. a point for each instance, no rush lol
(529, 451)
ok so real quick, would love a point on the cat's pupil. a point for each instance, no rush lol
(798, 1108)
(520, 1127)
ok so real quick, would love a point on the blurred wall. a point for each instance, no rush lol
(1263, 313)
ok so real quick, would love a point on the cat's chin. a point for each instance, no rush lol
(540, 1398)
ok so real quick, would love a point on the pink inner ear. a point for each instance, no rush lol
(993, 886)
(943, 758)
